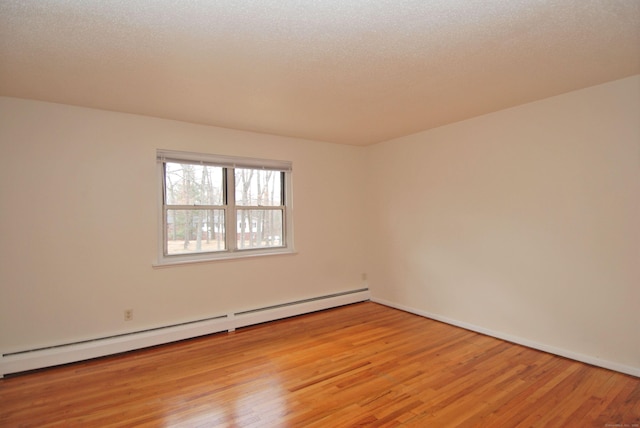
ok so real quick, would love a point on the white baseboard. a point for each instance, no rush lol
(610, 365)
(68, 353)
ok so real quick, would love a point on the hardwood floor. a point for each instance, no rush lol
(359, 365)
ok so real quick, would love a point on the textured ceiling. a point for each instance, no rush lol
(353, 72)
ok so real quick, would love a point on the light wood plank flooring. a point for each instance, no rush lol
(359, 365)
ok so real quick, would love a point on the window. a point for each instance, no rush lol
(219, 207)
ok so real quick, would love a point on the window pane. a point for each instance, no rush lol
(257, 187)
(195, 231)
(188, 184)
(259, 229)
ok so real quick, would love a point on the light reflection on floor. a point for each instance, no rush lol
(262, 404)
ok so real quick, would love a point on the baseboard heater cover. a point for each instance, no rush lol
(271, 313)
(36, 358)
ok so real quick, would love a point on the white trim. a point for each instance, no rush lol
(222, 160)
(223, 256)
(610, 365)
(67, 353)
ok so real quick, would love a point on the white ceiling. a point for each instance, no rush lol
(344, 71)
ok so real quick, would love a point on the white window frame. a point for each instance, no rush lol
(229, 163)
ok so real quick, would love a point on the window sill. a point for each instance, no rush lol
(227, 256)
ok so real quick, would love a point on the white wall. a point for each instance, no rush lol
(78, 225)
(523, 222)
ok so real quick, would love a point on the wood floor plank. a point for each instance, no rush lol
(358, 365)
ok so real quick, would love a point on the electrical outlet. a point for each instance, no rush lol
(128, 314)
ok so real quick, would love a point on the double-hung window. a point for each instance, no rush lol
(218, 207)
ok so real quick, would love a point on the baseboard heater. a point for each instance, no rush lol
(36, 358)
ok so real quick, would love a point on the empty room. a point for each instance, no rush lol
(320, 213)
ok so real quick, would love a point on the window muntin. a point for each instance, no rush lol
(218, 207)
